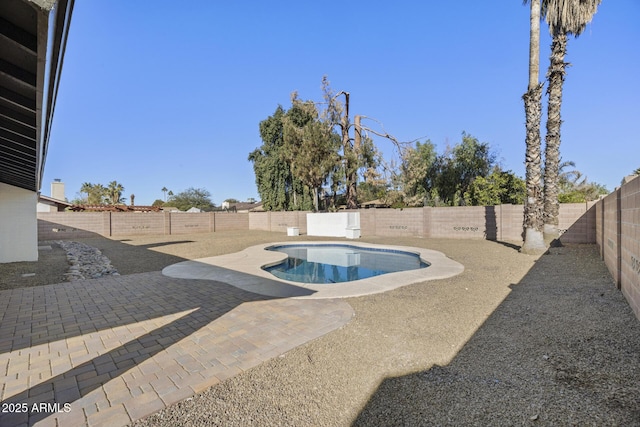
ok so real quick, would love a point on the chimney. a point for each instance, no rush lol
(57, 189)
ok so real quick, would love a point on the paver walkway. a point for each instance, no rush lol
(109, 351)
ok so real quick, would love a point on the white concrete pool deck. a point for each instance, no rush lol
(243, 270)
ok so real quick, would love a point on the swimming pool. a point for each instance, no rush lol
(246, 270)
(333, 263)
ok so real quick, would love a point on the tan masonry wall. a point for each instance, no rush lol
(504, 223)
(618, 237)
(128, 223)
(278, 221)
(392, 222)
(70, 225)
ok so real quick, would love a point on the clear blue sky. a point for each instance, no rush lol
(168, 94)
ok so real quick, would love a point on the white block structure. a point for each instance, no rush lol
(334, 224)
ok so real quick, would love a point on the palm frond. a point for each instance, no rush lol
(569, 16)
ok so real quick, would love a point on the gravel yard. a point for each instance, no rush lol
(513, 340)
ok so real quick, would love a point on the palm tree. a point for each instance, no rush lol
(115, 190)
(86, 188)
(564, 17)
(97, 194)
(164, 191)
(533, 235)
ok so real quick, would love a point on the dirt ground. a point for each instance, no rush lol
(513, 340)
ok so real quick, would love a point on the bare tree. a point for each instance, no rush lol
(353, 148)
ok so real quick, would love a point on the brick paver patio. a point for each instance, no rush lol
(118, 349)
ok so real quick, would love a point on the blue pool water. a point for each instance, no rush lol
(332, 263)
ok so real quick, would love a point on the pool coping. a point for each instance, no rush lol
(243, 270)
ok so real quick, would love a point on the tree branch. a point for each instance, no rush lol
(401, 145)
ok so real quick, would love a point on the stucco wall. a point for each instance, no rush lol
(18, 224)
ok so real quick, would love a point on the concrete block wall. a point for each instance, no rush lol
(260, 221)
(132, 223)
(187, 223)
(222, 221)
(464, 222)
(630, 243)
(510, 223)
(367, 222)
(72, 225)
(611, 234)
(617, 225)
(577, 222)
(397, 222)
(280, 221)
(503, 222)
(599, 227)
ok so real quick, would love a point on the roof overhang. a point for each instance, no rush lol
(53, 202)
(33, 36)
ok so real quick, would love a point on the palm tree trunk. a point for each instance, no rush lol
(533, 236)
(555, 76)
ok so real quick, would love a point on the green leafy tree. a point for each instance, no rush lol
(370, 191)
(499, 187)
(417, 173)
(273, 174)
(192, 198)
(158, 202)
(287, 171)
(454, 171)
(310, 145)
(471, 158)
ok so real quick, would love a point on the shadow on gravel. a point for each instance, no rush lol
(562, 349)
